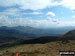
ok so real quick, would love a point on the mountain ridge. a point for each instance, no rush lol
(13, 33)
(42, 40)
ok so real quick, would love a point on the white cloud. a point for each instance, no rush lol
(17, 12)
(35, 13)
(38, 4)
(7, 3)
(73, 17)
(10, 11)
(67, 23)
(69, 4)
(50, 14)
(29, 4)
(46, 23)
(4, 21)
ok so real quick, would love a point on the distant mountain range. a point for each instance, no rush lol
(41, 40)
(20, 32)
(45, 39)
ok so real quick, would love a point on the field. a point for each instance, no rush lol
(47, 49)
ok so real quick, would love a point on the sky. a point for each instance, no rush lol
(37, 13)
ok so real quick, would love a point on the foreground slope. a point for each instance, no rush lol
(47, 49)
(50, 48)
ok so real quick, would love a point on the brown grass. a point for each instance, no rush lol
(48, 49)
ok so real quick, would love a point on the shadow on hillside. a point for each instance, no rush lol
(41, 40)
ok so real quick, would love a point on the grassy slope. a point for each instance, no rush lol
(48, 49)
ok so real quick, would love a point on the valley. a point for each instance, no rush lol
(41, 46)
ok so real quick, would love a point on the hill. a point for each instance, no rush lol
(30, 32)
(47, 49)
(42, 46)
(14, 32)
(41, 40)
(69, 36)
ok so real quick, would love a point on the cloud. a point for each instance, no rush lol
(37, 4)
(34, 5)
(34, 13)
(46, 23)
(51, 14)
(73, 17)
(29, 4)
(73, 10)
(7, 3)
(4, 21)
(69, 4)
(10, 11)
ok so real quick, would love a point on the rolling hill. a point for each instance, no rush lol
(69, 36)
(8, 34)
(43, 46)
(21, 31)
(41, 40)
